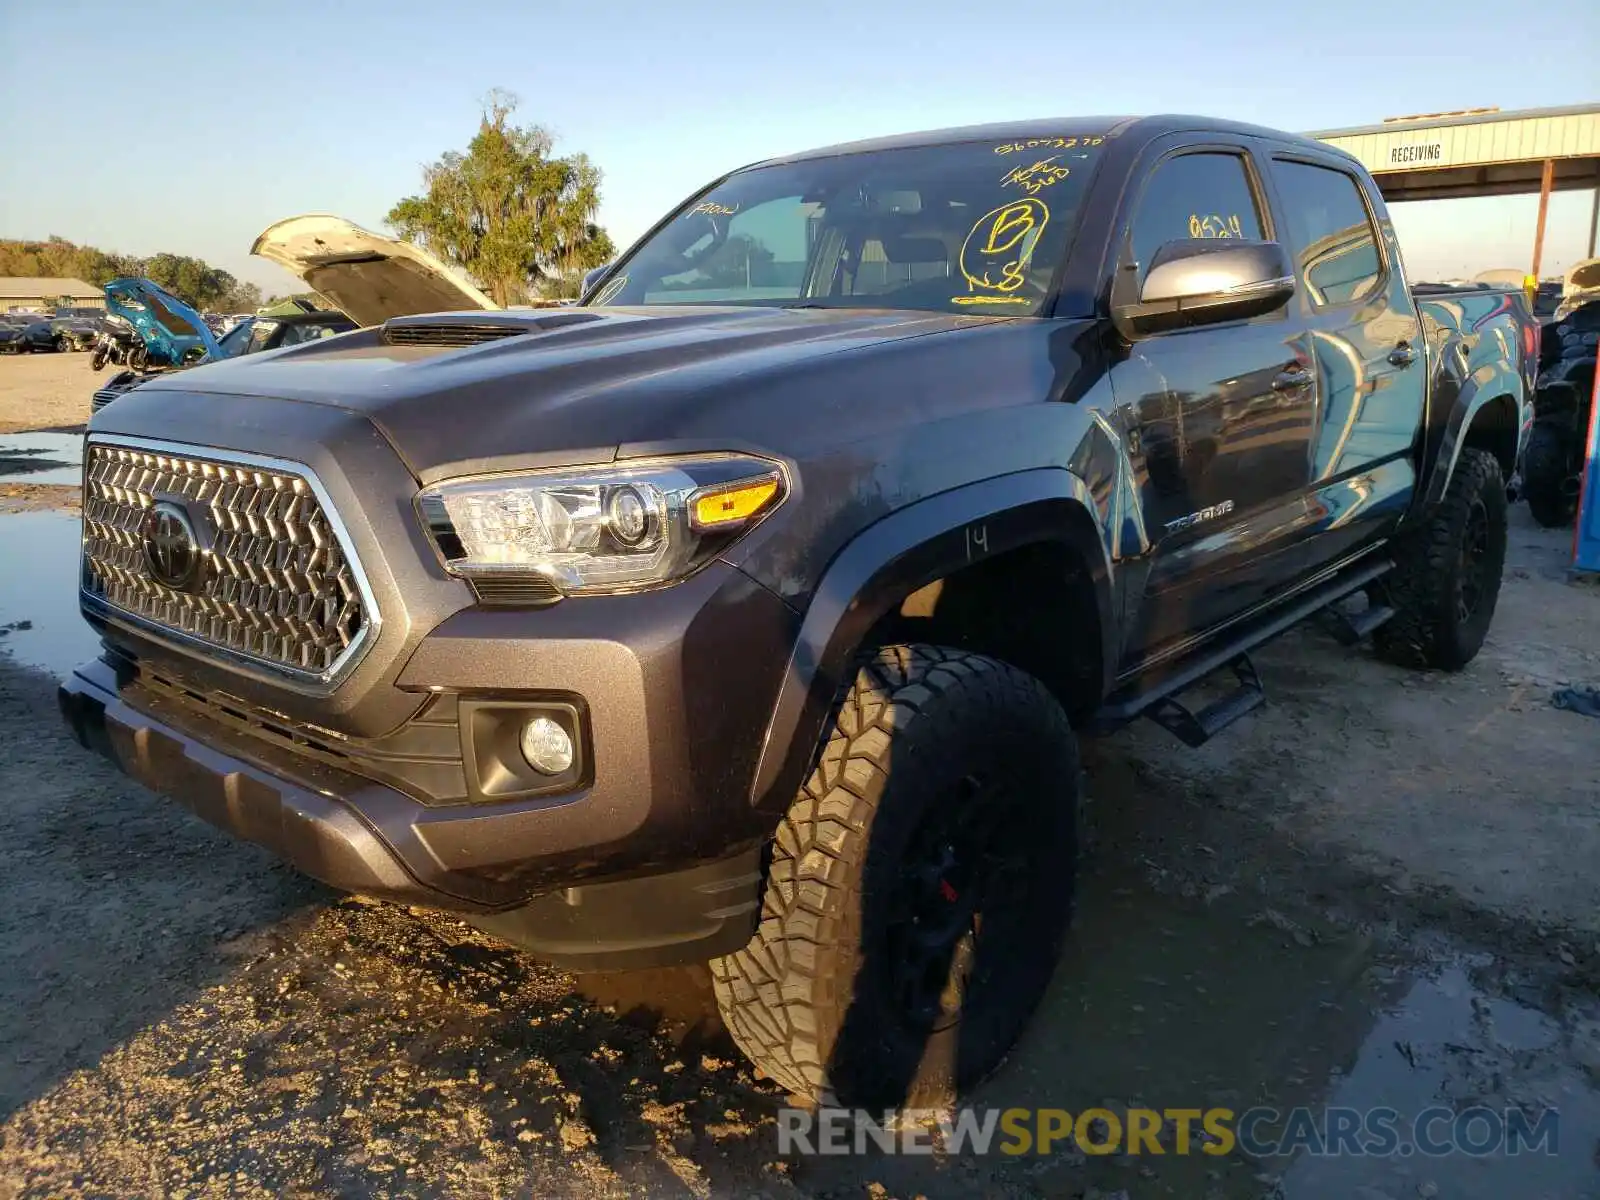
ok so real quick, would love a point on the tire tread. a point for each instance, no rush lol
(786, 987)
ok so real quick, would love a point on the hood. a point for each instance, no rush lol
(1582, 277)
(167, 326)
(467, 392)
(369, 276)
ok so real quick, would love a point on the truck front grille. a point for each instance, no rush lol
(277, 584)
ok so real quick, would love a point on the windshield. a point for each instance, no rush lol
(967, 227)
(232, 343)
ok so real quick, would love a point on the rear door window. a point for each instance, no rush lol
(1205, 195)
(1330, 232)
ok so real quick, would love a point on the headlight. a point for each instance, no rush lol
(615, 528)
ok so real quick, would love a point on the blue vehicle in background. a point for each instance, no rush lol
(151, 328)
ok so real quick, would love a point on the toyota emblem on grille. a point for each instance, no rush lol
(171, 550)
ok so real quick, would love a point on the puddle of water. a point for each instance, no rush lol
(39, 585)
(1161, 1003)
(1448, 1045)
(41, 458)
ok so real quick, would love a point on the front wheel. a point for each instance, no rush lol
(97, 360)
(920, 886)
(1446, 582)
(1550, 468)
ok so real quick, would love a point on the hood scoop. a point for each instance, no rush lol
(472, 329)
(446, 335)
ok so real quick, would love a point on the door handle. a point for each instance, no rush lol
(1291, 379)
(1402, 355)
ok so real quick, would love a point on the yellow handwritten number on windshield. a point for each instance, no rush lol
(1214, 225)
(1034, 179)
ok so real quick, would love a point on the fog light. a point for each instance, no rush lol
(546, 746)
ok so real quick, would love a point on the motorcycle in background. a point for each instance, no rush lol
(117, 344)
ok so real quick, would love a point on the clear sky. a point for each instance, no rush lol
(190, 127)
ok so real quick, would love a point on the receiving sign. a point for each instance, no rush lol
(1417, 154)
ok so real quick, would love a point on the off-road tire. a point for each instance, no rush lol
(1550, 465)
(1436, 622)
(924, 736)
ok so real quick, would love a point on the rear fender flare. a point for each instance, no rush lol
(894, 557)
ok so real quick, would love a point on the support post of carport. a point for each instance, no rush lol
(1546, 180)
(1594, 219)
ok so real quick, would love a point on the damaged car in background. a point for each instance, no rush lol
(76, 333)
(368, 277)
(167, 332)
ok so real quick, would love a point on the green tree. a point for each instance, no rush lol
(192, 279)
(512, 215)
(242, 297)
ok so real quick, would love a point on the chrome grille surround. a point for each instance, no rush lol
(282, 591)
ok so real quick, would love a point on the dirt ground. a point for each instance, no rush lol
(46, 391)
(1381, 888)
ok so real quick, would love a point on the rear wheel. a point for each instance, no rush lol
(919, 889)
(1550, 468)
(1446, 583)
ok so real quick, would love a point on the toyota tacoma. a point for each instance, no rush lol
(747, 613)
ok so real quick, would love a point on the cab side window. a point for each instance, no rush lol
(1330, 232)
(1194, 196)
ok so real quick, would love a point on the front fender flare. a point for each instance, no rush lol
(1488, 383)
(892, 558)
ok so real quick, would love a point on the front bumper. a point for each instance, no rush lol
(313, 819)
(651, 858)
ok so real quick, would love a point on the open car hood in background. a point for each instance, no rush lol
(367, 275)
(1582, 277)
(166, 325)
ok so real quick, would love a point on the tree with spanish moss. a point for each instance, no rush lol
(517, 218)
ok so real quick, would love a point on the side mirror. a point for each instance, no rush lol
(590, 276)
(1205, 281)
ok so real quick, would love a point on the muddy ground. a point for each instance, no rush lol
(1382, 888)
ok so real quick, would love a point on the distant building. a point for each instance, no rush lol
(19, 291)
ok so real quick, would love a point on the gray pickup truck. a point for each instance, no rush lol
(748, 612)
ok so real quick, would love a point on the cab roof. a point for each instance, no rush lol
(1143, 128)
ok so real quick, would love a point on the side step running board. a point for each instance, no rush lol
(1349, 630)
(1198, 728)
(1151, 688)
